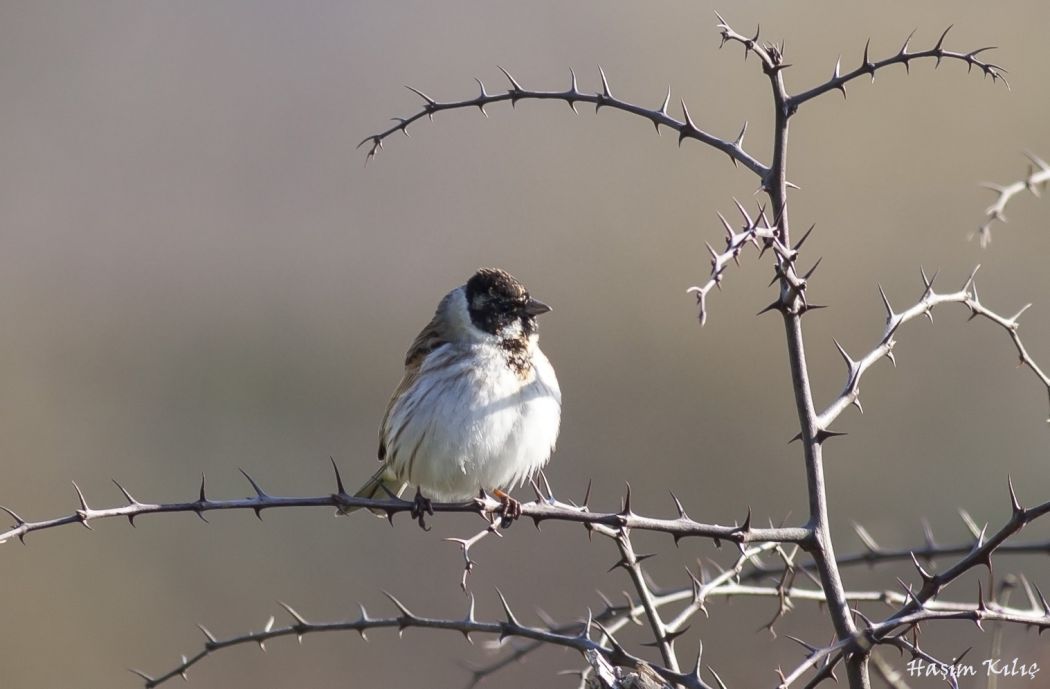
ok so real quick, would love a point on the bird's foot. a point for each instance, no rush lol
(510, 509)
(421, 507)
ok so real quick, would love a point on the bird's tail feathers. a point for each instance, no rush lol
(382, 485)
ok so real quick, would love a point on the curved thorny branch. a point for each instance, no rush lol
(685, 128)
(578, 635)
(967, 296)
(1035, 181)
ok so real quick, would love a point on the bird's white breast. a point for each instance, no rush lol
(470, 422)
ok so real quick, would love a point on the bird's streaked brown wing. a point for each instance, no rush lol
(429, 339)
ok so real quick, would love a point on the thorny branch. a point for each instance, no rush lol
(967, 296)
(838, 81)
(685, 128)
(632, 562)
(580, 640)
(545, 509)
(609, 621)
(771, 57)
(793, 305)
(1035, 181)
(728, 583)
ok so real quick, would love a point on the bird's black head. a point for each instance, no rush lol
(497, 302)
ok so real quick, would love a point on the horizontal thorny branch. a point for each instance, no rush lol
(1035, 181)
(544, 508)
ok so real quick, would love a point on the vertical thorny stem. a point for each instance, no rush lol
(792, 309)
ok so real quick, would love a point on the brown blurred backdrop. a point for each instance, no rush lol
(198, 273)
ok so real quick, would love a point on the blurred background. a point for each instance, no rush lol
(198, 273)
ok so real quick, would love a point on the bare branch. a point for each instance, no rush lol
(300, 627)
(685, 128)
(1035, 181)
(902, 57)
(755, 231)
(547, 510)
(663, 638)
(923, 308)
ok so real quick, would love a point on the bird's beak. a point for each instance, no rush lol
(534, 307)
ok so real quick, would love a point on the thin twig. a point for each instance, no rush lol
(967, 296)
(685, 128)
(681, 527)
(662, 636)
(510, 627)
(1037, 178)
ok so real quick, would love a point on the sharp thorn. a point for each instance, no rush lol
(904, 49)
(80, 496)
(291, 611)
(127, 495)
(149, 680)
(721, 684)
(506, 609)
(739, 141)
(259, 492)
(969, 281)
(211, 637)
(515, 86)
(1042, 600)
(667, 101)
(885, 302)
(940, 42)
(19, 521)
(546, 485)
(800, 242)
(918, 566)
(341, 491)
(616, 647)
(1015, 504)
(430, 101)
(678, 506)
(688, 118)
(809, 273)
(405, 612)
(606, 92)
(810, 648)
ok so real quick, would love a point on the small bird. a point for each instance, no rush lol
(479, 406)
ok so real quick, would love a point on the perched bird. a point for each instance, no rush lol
(479, 406)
